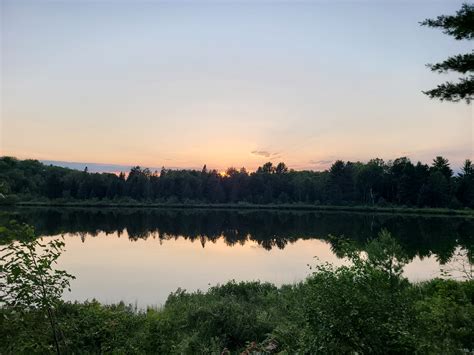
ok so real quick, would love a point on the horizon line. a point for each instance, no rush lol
(95, 167)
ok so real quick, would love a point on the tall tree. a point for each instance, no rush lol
(281, 168)
(465, 188)
(442, 165)
(461, 27)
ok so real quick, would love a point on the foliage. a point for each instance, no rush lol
(27, 277)
(376, 183)
(444, 311)
(346, 308)
(460, 26)
(28, 280)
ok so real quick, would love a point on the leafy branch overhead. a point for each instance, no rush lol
(461, 27)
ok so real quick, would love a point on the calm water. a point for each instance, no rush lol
(140, 256)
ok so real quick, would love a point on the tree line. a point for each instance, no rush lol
(377, 183)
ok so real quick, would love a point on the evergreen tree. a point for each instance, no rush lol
(461, 27)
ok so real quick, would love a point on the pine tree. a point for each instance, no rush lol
(461, 27)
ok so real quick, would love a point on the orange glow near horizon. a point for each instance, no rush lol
(219, 97)
(250, 162)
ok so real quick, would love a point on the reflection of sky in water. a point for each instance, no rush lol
(112, 269)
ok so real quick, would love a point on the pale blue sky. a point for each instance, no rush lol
(225, 83)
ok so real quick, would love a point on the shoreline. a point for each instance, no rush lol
(242, 206)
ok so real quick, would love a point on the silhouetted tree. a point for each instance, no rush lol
(442, 165)
(370, 181)
(281, 168)
(460, 26)
(266, 168)
(465, 185)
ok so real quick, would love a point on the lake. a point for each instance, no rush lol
(139, 256)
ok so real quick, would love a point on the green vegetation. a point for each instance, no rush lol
(461, 27)
(331, 312)
(27, 278)
(366, 307)
(376, 184)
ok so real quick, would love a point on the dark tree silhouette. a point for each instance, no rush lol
(398, 182)
(461, 27)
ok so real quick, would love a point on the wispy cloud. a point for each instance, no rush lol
(266, 154)
(320, 162)
(262, 153)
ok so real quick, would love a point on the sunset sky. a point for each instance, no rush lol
(182, 84)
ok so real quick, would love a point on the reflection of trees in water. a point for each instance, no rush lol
(419, 235)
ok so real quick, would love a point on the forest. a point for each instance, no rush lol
(376, 183)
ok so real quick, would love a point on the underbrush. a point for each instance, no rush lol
(341, 311)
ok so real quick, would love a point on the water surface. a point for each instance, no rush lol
(140, 256)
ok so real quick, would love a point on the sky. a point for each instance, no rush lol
(187, 83)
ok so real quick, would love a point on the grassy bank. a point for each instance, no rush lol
(328, 313)
(244, 206)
